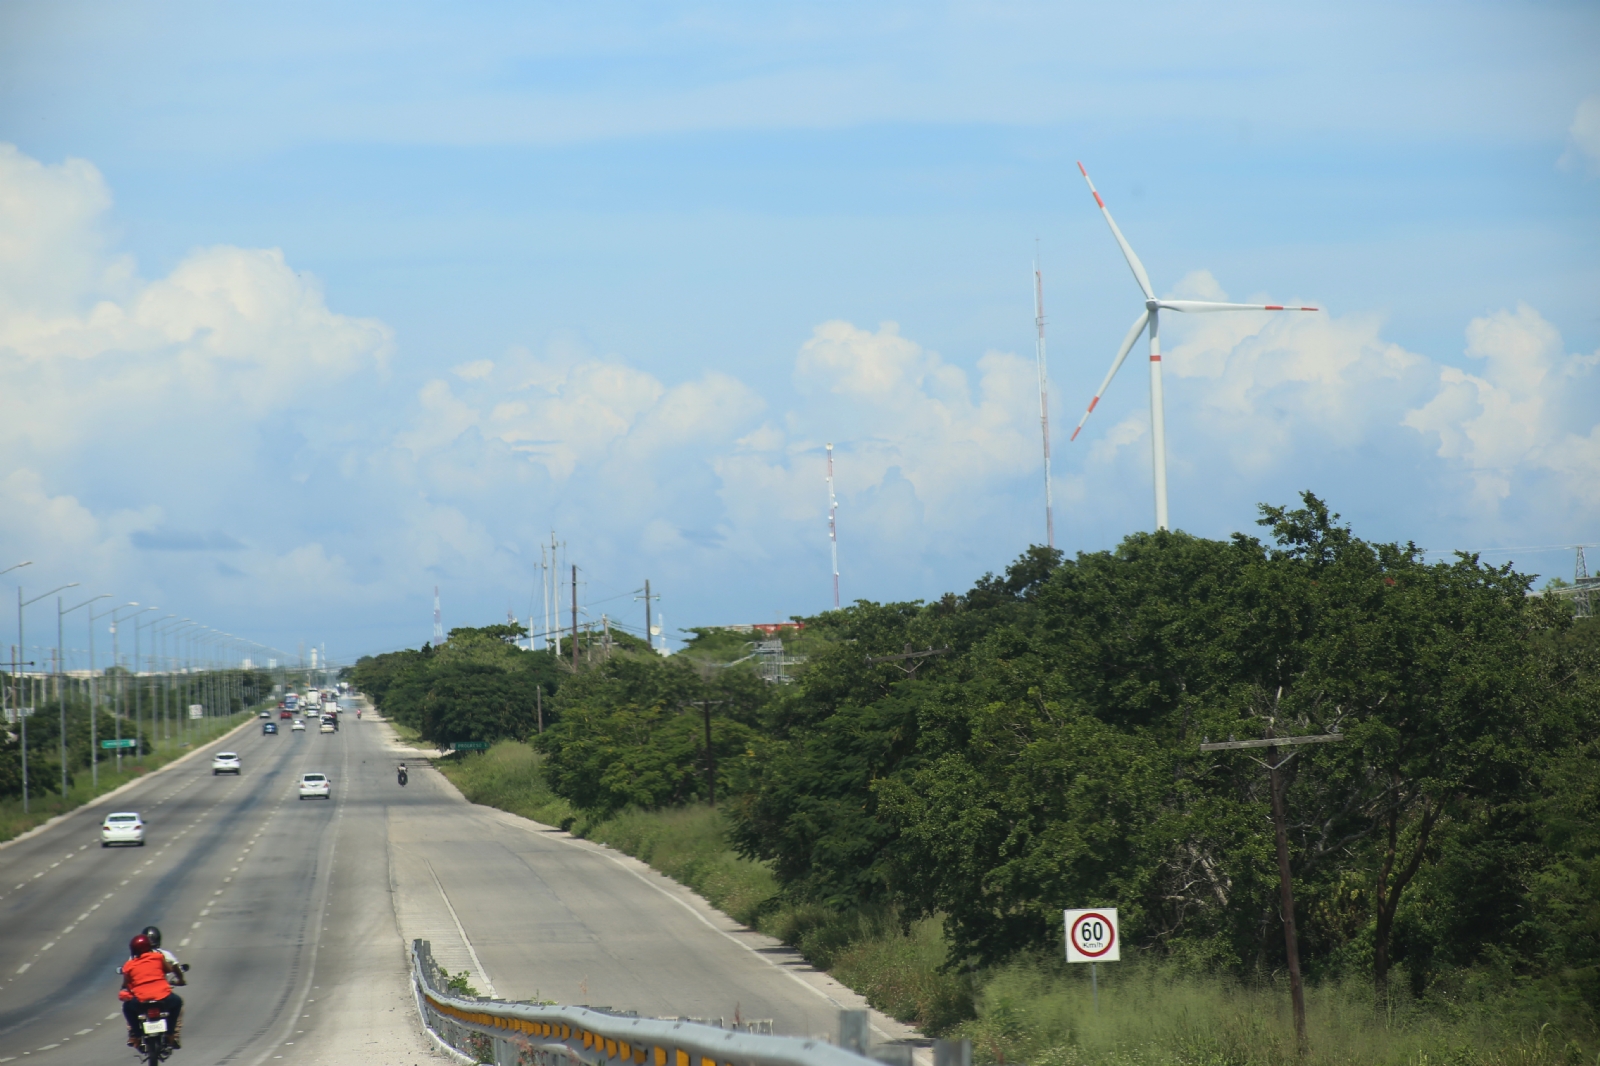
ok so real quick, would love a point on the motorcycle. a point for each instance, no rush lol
(155, 1027)
(402, 777)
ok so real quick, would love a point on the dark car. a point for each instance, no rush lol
(269, 727)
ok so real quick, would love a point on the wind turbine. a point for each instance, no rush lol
(1151, 317)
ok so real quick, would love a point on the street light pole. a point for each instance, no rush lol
(120, 707)
(22, 719)
(139, 690)
(94, 707)
(61, 685)
(16, 685)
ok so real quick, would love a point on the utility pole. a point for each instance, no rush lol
(1276, 784)
(1044, 396)
(833, 528)
(574, 617)
(711, 755)
(649, 640)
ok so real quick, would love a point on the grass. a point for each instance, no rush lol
(1040, 1011)
(505, 777)
(43, 807)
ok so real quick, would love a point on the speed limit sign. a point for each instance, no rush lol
(1092, 935)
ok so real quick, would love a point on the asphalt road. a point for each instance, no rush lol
(296, 916)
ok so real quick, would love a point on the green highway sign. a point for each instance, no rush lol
(129, 743)
(470, 745)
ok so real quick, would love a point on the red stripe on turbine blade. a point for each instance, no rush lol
(1085, 173)
(1308, 309)
(1099, 201)
(1155, 359)
(1092, 402)
(1074, 435)
(1273, 307)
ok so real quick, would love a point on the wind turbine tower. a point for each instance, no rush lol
(438, 620)
(1151, 317)
(1044, 398)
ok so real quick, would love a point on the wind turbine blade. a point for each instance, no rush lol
(1208, 305)
(1116, 364)
(1133, 261)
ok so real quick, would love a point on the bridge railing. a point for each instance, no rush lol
(534, 1034)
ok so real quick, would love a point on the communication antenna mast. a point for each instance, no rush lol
(1044, 396)
(438, 620)
(833, 528)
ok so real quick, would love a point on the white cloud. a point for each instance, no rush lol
(1530, 409)
(1584, 136)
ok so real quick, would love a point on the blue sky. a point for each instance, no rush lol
(303, 312)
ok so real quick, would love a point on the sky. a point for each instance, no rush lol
(306, 309)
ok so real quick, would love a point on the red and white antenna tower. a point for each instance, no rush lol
(438, 620)
(833, 528)
(1044, 397)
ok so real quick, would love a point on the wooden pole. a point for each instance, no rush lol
(1291, 943)
(574, 617)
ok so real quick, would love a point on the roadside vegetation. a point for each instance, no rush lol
(916, 824)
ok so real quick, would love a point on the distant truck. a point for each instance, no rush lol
(291, 702)
(313, 700)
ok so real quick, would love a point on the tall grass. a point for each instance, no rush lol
(507, 777)
(44, 806)
(1043, 1013)
(1040, 1011)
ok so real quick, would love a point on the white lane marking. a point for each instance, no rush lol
(196, 925)
(447, 906)
(184, 942)
(80, 1032)
(48, 946)
(24, 967)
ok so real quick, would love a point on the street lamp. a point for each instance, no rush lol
(139, 690)
(94, 707)
(61, 684)
(12, 677)
(121, 705)
(158, 663)
(21, 717)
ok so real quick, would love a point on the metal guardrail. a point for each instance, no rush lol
(530, 1034)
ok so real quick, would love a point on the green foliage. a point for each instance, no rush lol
(982, 761)
(632, 731)
(508, 776)
(478, 685)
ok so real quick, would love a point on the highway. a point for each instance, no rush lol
(295, 916)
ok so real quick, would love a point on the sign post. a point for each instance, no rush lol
(469, 745)
(1092, 937)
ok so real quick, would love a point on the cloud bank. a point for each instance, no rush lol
(221, 440)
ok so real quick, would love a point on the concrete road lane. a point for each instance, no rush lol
(296, 916)
(237, 872)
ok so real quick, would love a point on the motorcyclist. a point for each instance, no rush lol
(145, 984)
(176, 967)
(401, 775)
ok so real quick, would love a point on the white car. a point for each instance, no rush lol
(226, 762)
(297, 727)
(327, 727)
(123, 827)
(315, 786)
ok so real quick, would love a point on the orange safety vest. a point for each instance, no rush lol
(146, 976)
